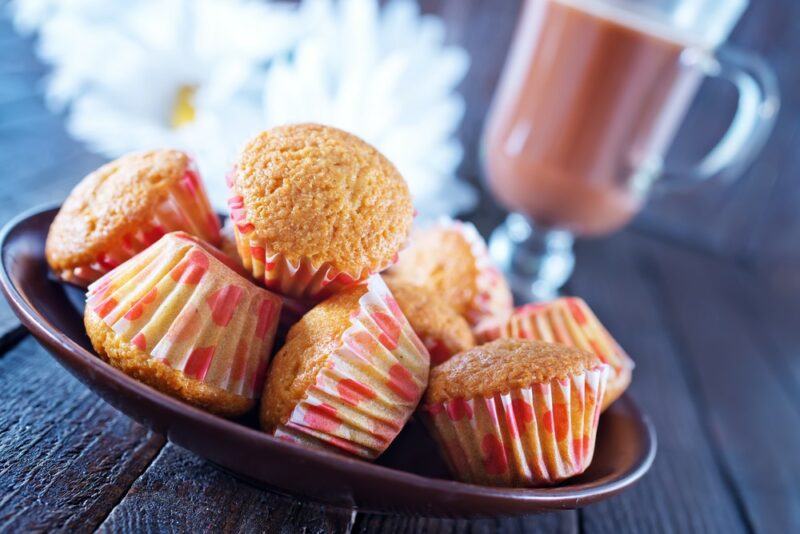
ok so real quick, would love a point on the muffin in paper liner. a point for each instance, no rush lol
(493, 301)
(299, 279)
(182, 206)
(181, 319)
(367, 387)
(490, 300)
(443, 331)
(568, 321)
(533, 436)
(316, 209)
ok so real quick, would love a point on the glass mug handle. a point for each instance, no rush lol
(759, 100)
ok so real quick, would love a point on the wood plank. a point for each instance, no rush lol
(13, 86)
(183, 493)
(48, 184)
(42, 185)
(685, 491)
(66, 457)
(777, 233)
(553, 523)
(773, 295)
(754, 417)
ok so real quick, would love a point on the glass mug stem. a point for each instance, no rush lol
(536, 260)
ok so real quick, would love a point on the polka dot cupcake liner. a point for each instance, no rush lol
(185, 207)
(370, 385)
(493, 301)
(300, 278)
(568, 321)
(532, 436)
(439, 350)
(179, 302)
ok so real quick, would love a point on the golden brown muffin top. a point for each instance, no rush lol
(110, 202)
(308, 344)
(430, 316)
(318, 192)
(503, 365)
(441, 260)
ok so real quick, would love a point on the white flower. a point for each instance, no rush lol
(386, 76)
(182, 74)
(201, 75)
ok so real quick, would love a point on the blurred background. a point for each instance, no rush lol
(87, 80)
(701, 289)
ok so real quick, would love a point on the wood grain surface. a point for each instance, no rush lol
(66, 457)
(703, 290)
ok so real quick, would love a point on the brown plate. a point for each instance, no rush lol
(409, 477)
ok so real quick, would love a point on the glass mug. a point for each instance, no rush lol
(590, 99)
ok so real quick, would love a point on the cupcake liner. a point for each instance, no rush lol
(438, 349)
(185, 207)
(370, 385)
(493, 301)
(179, 304)
(532, 436)
(568, 321)
(300, 278)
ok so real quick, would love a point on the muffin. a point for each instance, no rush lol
(450, 259)
(441, 329)
(350, 375)
(180, 319)
(122, 208)
(571, 322)
(516, 412)
(316, 209)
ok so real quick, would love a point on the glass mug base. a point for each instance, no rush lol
(537, 261)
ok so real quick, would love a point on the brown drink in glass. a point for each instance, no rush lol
(590, 100)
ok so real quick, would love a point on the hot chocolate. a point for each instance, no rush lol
(589, 102)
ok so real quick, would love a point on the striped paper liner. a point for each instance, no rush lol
(493, 301)
(185, 207)
(533, 436)
(298, 278)
(568, 321)
(369, 386)
(178, 303)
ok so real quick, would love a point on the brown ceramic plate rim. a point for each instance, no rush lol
(78, 361)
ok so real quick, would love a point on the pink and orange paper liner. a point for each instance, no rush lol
(185, 207)
(179, 304)
(531, 436)
(296, 278)
(493, 301)
(568, 321)
(370, 385)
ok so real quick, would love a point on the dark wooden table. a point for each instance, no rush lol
(703, 291)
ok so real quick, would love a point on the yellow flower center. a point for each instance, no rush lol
(183, 110)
